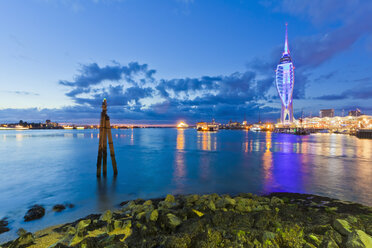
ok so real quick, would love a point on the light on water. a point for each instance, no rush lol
(57, 166)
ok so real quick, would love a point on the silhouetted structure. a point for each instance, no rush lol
(104, 134)
(326, 113)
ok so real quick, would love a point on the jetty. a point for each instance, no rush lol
(364, 133)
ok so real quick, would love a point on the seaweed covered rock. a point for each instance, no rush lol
(59, 207)
(173, 221)
(106, 216)
(291, 237)
(244, 205)
(35, 212)
(4, 225)
(170, 199)
(342, 226)
(25, 239)
(152, 215)
(359, 239)
(225, 202)
(246, 220)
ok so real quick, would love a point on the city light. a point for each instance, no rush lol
(182, 125)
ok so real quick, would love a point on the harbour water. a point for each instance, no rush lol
(49, 167)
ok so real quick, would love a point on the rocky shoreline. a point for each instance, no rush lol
(245, 220)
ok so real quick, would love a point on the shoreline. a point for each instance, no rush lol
(273, 220)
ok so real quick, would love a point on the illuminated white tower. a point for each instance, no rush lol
(285, 82)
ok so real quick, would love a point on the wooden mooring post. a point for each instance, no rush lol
(104, 134)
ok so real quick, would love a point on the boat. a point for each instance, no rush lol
(80, 128)
(255, 128)
(68, 127)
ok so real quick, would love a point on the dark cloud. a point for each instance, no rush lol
(351, 18)
(361, 92)
(134, 95)
(326, 76)
(323, 11)
(349, 22)
(331, 97)
(363, 80)
(135, 91)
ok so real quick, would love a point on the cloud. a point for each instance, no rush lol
(134, 94)
(326, 76)
(361, 92)
(363, 80)
(346, 22)
(323, 11)
(351, 18)
(21, 92)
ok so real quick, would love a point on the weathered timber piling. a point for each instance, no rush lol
(104, 134)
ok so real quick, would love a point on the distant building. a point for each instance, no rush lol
(356, 112)
(50, 124)
(205, 126)
(326, 113)
(234, 124)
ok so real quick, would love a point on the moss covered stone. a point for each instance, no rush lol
(173, 220)
(106, 216)
(170, 198)
(245, 220)
(359, 239)
(342, 226)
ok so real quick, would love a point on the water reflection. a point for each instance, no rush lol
(105, 192)
(19, 137)
(267, 160)
(180, 139)
(68, 135)
(207, 141)
(179, 172)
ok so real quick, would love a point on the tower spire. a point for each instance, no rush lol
(286, 51)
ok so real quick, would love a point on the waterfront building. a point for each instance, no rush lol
(234, 124)
(285, 83)
(326, 113)
(338, 123)
(207, 126)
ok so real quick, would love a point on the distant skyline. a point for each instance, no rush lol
(162, 61)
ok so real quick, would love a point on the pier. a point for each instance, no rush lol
(364, 133)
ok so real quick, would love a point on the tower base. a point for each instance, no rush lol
(286, 116)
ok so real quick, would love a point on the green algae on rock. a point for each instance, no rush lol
(246, 220)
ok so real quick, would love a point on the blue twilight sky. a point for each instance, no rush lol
(166, 60)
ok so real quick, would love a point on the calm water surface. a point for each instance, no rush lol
(57, 166)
